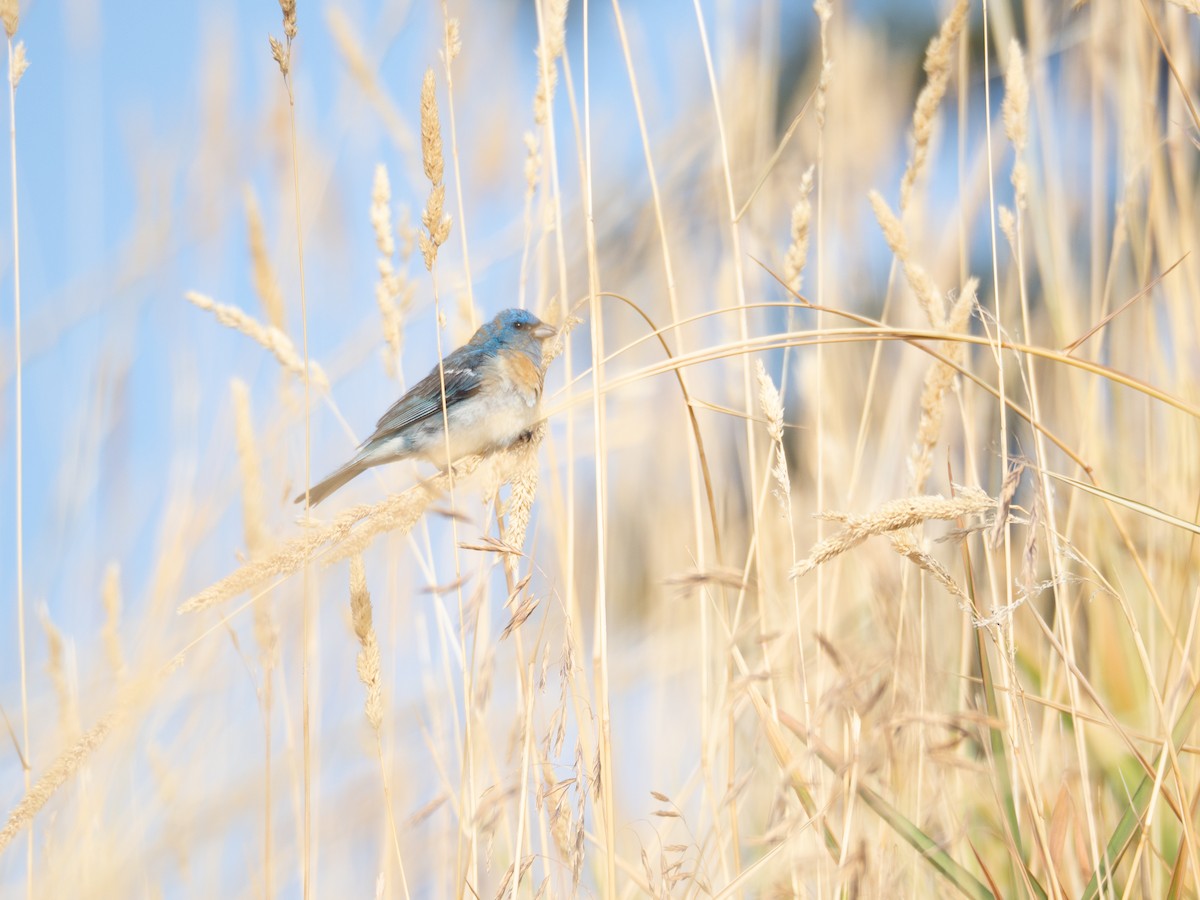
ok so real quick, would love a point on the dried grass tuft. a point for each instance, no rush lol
(266, 336)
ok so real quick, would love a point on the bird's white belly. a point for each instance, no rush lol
(480, 426)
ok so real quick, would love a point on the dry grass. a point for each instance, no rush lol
(877, 593)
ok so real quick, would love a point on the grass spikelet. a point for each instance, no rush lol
(56, 776)
(1008, 491)
(431, 131)
(364, 630)
(254, 528)
(937, 71)
(110, 633)
(266, 336)
(288, 8)
(554, 34)
(390, 287)
(1016, 117)
(434, 218)
(922, 284)
(892, 516)
(266, 285)
(282, 52)
(797, 254)
(938, 379)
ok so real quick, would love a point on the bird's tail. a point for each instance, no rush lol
(335, 480)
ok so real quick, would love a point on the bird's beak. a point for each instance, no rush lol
(542, 331)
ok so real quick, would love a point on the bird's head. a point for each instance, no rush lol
(515, 329)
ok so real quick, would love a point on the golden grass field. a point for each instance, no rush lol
(857, 554)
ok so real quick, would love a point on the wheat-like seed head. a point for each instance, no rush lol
(391, 283)
(431, 130)
(56, 666)
(548, 51)
(348, 534)
(60, 771)
(266, 336)
(797, 254)
(1016, 119)
(364, 630)
(266, 633)
(381, 213)
(288, 7)
(904, 544)
(533, 164)
(937, 70)
(281, 55)
(922, 284)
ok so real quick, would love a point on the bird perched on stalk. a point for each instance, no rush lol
(493, 388)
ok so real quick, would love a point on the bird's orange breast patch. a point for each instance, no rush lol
(519, 370)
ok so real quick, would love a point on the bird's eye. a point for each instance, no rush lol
(518, 324)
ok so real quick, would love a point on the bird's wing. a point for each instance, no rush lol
(424, 398)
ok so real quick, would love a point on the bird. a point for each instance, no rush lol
(493, 389)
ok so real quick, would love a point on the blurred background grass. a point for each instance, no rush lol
(677, 714)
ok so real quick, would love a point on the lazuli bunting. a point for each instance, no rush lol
(493, 389)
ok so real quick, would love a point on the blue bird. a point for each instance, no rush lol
(493, 389)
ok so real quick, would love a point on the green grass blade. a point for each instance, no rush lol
(968, 884)
(1124, 833)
